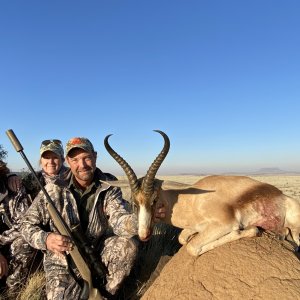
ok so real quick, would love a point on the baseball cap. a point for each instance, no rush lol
(54, 146)
(79, 142)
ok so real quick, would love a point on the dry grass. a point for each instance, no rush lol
(289, 184)
(34, 290)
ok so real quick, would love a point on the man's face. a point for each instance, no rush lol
(82, 165)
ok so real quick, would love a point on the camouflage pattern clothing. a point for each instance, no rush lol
(33, 188)
(19, 253)
(54, 146)
(109, 230)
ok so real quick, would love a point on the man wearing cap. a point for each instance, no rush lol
(99, 209)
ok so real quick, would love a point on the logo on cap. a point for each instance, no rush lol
(79, 142)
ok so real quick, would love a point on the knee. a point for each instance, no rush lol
(131, 247)
(119, 249)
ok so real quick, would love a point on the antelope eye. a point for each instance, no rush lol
(134, 208)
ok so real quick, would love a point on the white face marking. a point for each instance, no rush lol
(144, 219)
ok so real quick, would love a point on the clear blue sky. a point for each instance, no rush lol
(221, 78)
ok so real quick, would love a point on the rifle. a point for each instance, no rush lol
(81, 248)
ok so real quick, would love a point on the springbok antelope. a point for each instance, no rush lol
(213, 211)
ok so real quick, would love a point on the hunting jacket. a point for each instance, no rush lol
(108, 216)
(31, 185)
(13, 205)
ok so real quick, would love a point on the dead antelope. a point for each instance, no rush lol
(213, 211)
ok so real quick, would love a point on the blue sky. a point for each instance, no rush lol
(221, 78)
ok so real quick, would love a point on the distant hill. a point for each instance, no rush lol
(271, 171)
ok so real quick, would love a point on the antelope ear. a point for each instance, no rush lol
(117, 183)
(172, 185)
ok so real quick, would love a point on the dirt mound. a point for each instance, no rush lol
(254, 268)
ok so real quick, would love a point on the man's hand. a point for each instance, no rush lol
(159, 213)
(3, 266)
(14, 183)
(59, 243)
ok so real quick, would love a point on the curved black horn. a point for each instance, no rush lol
(133, 182)
(150, 176)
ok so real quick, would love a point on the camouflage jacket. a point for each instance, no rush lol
(108, 216)
(31, 185)
(12, 208)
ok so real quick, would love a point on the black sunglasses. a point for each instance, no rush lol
(47, 142)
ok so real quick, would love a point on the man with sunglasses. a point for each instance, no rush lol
(99, 209)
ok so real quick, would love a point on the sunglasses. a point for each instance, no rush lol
(47, 142)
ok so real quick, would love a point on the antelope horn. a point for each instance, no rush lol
(133, 182)
(150, 176)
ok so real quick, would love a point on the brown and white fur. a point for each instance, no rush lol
(213, 211)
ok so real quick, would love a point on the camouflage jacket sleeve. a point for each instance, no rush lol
(37, 224)
(122, 222)
(12, 209)
(35, 219)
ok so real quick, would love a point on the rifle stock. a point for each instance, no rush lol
(60, 224)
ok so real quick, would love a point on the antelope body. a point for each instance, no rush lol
(213, 211)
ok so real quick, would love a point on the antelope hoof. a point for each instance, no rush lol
(186, 235)
(193, 250)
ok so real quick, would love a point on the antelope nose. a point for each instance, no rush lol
(145, 236)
